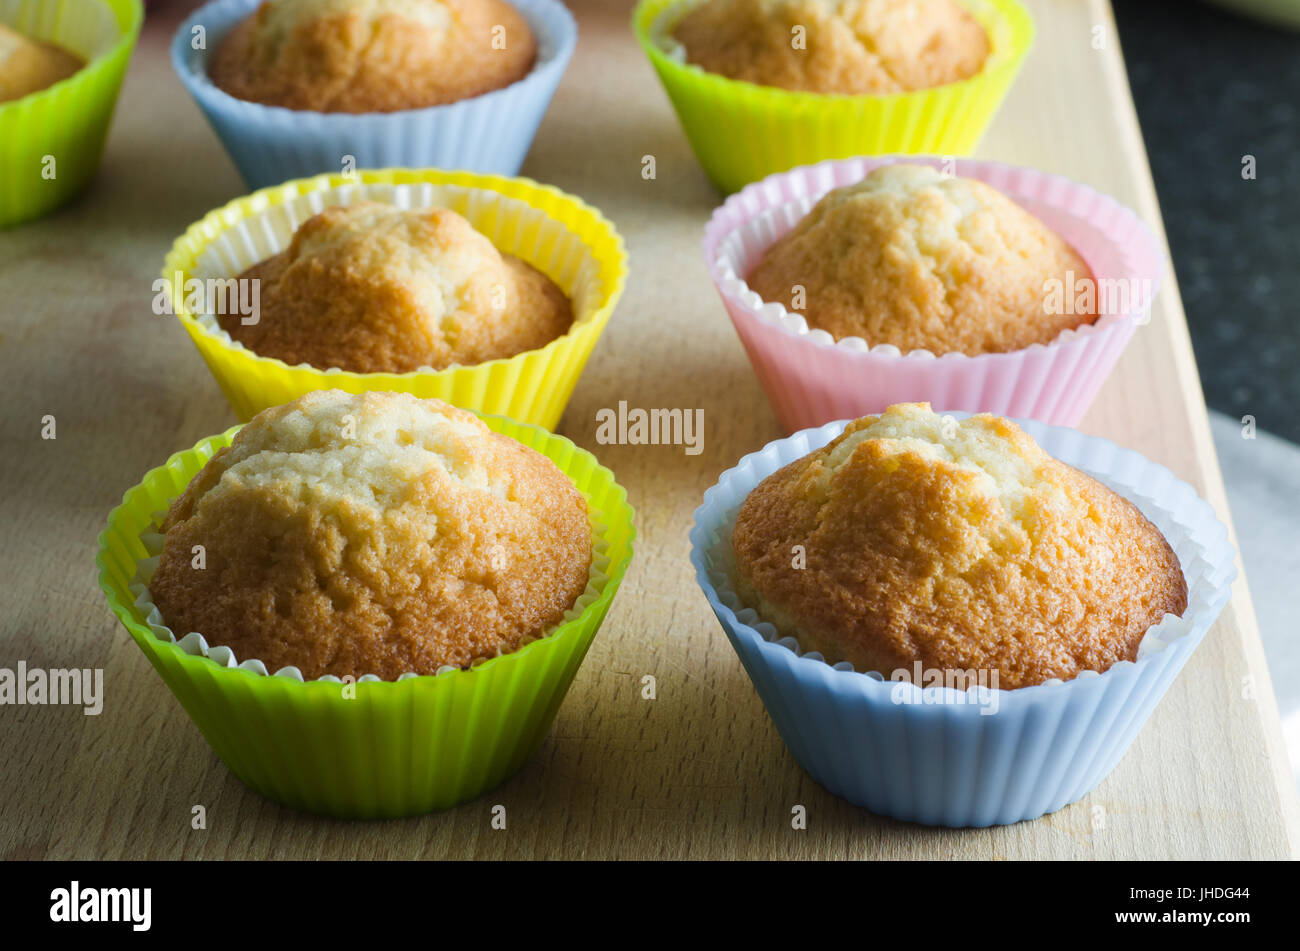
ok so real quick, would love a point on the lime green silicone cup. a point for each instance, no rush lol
(51, 141)
(396, 748)
(742, 132)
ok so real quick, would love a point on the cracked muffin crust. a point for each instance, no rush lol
(372, 534)
(28, 65)
(372, 288)
(921, 260)
(959, 545)
(373, 55)
(849, 47)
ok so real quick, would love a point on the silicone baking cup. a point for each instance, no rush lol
(558, 234)
(51, 141)
(269, 144)
(742, 132)
(981, 757)
(397, 748)
(810, 378)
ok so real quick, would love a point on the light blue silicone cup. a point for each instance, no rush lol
(269, 144)
(938, 756)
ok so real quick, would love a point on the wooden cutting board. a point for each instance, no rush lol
(698, 772)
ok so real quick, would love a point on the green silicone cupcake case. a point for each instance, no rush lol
(392, 748)
(742, 132)
(51, 141)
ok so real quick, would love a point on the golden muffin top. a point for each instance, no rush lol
(373, 288)
(29, 65)
(959, 545)
(848, 47)
(373, 55)
(372, 534)
(924, 261)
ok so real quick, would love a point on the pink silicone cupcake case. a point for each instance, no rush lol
(810, 378)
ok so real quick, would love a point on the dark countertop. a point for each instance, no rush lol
(1212, 87)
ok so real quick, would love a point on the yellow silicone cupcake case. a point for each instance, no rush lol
(531, 387)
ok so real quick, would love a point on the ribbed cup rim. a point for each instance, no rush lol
(771, 194)
(129, 15)
(557, 29)
(616, 515)
(1004, 57)
(203, 233)
(1209, 574)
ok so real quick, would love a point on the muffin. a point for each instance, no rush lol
(297, 88)
(372, 288)
(29, 65)
(845, 47)
(372, 534)
(911, 257)
(358, 56)
(914, 538)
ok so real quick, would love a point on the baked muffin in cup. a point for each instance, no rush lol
(490, 131)
(29, 65)
(559, 239)
(742, 131)
(967, 752)
(811, 376)
(64, 122)
(373, 288)
(466, 695)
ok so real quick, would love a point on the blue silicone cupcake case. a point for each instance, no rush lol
(489, 133)
(980, 757)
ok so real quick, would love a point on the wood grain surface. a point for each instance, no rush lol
(698, 772)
